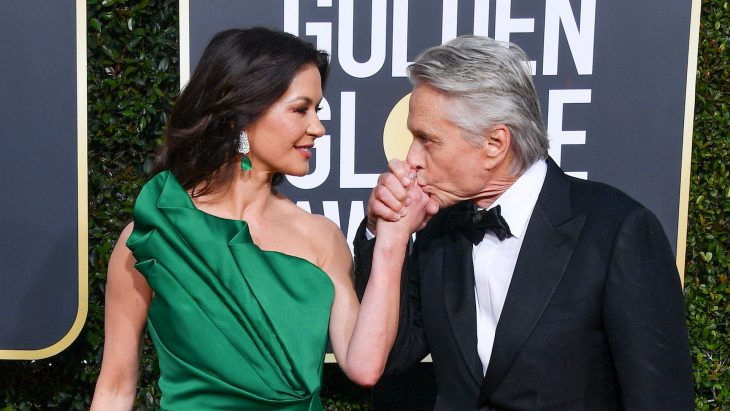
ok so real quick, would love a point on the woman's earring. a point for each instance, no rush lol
(244, 148)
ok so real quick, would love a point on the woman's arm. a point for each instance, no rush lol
(127, 300)
(362, 337)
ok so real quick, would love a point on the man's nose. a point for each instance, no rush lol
(415, 155)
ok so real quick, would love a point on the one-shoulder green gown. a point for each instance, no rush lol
(235, 327)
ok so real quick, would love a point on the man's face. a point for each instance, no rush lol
(450, 169)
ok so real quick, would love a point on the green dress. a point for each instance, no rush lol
(235, 327)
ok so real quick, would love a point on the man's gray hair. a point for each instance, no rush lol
(488, 83)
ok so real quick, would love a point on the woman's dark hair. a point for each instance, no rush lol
(241, 74)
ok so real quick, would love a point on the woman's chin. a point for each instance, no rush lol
(297, 173)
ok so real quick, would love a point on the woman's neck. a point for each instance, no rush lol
(246, 197)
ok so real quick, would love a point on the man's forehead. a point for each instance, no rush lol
(417, 119)
(425, 109)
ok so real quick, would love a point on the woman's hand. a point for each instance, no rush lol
(393, 196)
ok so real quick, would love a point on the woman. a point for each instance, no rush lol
(239, 286)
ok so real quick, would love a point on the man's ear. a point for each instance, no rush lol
(496, 148)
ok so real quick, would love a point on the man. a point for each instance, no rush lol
(570, 300)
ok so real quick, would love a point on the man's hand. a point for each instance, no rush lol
(390, 199)
(414, 218)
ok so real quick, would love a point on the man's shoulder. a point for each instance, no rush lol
(584, 194)
(605, 207)
(593, 196)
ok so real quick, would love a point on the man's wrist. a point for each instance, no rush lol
(370, 230)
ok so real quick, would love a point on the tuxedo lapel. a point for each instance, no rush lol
(549, 242)
(458, 289)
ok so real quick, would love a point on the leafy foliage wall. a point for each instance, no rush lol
(132, 81)
(708, 239)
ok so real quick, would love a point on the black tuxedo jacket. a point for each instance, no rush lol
(593, 319)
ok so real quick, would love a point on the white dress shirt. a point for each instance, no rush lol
(494, 260)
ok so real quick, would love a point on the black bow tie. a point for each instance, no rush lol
(475, 223)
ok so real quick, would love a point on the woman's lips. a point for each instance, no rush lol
(305, 151)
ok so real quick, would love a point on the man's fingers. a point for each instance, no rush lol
(423, 206)
(387, 198)
(390, 182)
(402, 171)
(379, 210)
(395, 193)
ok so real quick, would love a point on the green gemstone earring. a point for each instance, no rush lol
(244, 148)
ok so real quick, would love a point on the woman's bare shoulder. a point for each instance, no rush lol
(126, 232)
(323, 235)
(319, 227)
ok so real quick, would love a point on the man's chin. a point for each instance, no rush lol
(443, 202)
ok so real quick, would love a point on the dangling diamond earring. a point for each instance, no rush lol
(244, 148)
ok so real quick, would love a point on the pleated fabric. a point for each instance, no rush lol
(235, 327)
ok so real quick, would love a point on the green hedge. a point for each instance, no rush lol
(132, 80)
(708, 257)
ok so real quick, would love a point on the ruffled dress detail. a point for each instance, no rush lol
(235, 327)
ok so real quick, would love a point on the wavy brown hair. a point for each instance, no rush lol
(240, 74)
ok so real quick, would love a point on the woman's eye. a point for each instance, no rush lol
(318, 109)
